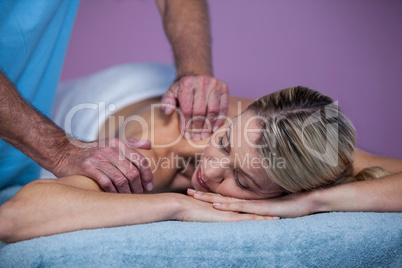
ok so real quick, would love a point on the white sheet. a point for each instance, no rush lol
(82, 105)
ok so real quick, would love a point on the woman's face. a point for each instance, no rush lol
(231, 164)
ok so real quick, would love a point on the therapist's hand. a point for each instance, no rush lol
(114, 164)
(203, 101)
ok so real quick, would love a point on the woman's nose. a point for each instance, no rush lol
(213, 172)
(211, 176)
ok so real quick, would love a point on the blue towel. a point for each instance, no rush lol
(327, 239)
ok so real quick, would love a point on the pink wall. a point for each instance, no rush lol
(351, 50)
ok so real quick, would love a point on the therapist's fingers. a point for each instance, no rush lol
(185, 96)
(199, 107)
(223, 107)
(169, 101)
(141, 176)
(116, 165)
(212, 110)
(103, 180)
(99, 164)
(203, 102)
(115, 169)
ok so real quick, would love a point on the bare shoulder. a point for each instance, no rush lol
(364, 160)
(140, 119)
(76, 181)
(237, 105)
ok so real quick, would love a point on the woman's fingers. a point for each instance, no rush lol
(236, 217)
(210, 197)
(196, 210)
(224, 203)
(249, 206)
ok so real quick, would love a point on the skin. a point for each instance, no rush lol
(195, 91)
(77, 202)
(47, 207)
(171, 144)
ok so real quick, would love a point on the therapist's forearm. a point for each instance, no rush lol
(186, 24)
(27, 129)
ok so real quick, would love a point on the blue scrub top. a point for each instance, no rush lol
(33, 42)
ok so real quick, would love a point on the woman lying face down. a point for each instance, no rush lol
(232, 165)
(290, 141)
(289, 153)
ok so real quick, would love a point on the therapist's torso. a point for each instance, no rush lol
(33, 41)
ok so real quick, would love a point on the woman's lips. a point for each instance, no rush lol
(201, 182)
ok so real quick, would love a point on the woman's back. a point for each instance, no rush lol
(172, 156)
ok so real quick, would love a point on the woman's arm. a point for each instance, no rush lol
(46, 207)
(378, 195)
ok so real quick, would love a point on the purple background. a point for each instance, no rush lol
(350, 50)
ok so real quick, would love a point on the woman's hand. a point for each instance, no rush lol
(195, 210)
(288, 206)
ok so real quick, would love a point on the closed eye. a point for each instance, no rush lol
(236, 171)
(221, 146)
(238, 182)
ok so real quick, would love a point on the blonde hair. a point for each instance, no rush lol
(314, 138)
